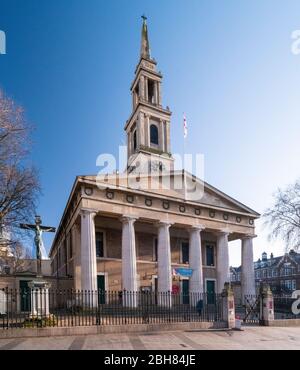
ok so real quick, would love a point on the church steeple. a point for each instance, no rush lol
(145, 47)
(148, 128)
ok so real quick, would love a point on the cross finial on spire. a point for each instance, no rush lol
(144, 17)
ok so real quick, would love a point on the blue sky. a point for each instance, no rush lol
(226, 63)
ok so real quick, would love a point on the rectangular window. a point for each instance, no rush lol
(65, 257)
(293, 284)
(155, 250)
(185, 252)
(288, 284)
(99, 244)
(269, 273)
(210, 257)
(264, 273)
(59, 257)
(70, 246)
(259, 274)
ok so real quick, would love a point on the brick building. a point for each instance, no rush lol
(281, 273)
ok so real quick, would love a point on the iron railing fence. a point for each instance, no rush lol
(247, 309)
(65, 308)
(286, 307)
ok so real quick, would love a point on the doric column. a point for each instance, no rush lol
(195, 258)
(129, 274)
(164, 264)
(247, 278)
(88, 251)
(223, 274)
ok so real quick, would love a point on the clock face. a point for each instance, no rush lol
(156, 166)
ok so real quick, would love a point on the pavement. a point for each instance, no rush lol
(254, 338)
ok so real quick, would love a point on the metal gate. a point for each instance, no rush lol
(248, 309)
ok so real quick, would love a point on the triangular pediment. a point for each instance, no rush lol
(178, 185)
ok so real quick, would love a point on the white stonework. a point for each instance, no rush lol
(88, 251)
(223, 272)
(195, 257)
(247, 278)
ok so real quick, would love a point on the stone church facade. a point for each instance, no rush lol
(114, 236)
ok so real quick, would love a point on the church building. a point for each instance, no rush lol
(115, 235)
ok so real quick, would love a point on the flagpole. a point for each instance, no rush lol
(184, 148)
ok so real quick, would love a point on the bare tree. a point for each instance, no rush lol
(19, 185)
(14, 257)
(283, 217)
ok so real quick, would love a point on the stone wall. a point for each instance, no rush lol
(13, 281)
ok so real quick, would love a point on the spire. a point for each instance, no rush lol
(145, 47)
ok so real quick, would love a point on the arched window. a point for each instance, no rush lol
(153, 134)
(134, 141)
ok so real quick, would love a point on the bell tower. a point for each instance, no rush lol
(148, 128)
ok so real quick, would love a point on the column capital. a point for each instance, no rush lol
(248, 236)
(164, 224)
(223, 232)
(87, 212)
(196, 228)
(128, 218)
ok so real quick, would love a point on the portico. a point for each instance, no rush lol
(136, 248)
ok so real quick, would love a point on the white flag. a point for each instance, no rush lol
(185, 128)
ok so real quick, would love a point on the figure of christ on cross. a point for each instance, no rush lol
(38, 228)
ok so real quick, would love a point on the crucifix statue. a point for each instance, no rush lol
(38, 228)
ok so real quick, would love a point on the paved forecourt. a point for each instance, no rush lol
(250, 338)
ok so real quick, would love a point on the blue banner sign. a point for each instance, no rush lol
(181, 271)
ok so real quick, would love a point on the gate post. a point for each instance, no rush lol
(228, 306)
(266, 305)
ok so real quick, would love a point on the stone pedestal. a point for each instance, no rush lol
(39, 298)
(228, 306)
(266, 304)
